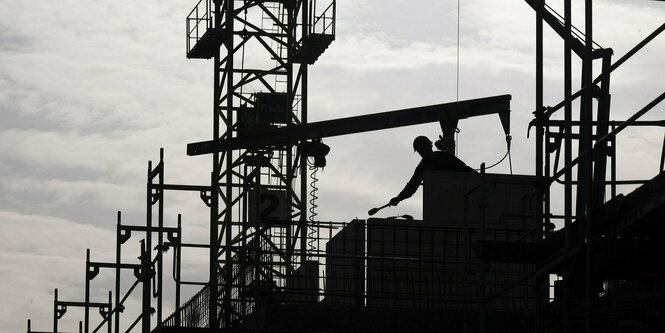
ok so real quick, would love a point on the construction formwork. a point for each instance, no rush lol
(412, 264)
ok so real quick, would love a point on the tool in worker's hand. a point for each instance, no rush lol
(374, 210)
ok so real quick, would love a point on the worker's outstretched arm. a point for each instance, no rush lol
(411, 187)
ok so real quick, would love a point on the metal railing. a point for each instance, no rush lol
(324, 22)
(194, 313)
(199, 20)
(387, 263)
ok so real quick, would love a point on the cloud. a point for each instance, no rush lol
(40, 253)
(380, 53)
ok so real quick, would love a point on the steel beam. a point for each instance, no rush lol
(576, 45)
(178, 187)
(372, 122)
(614, 66)
(540, 289)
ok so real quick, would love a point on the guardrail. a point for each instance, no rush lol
(199, 20)
(324, 22)
(194, 313)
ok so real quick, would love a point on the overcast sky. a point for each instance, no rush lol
(90, 90)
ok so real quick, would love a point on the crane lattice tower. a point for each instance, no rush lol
(258, 205)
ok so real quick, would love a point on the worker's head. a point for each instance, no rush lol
(422, 144)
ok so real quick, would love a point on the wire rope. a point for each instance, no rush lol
(457, 62)
(497, 163)
(508, 139)
(312, 232)
(577, 32)
(457, 76)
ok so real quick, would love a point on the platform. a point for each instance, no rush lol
(312, 48)
(206, 46)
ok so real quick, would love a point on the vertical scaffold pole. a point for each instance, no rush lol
(588, 160)
(55, 311)
(541, 281)
(228, 193)
(568, 146)
(214, 181)
(160, 237)
(86, 320)
(146, 255)
(303, 159)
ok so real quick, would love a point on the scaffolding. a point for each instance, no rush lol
(595, 133)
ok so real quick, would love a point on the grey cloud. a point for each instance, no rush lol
(12, 41)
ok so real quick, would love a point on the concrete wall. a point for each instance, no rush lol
(412, 264)
(455, 198)
(432, 263)
(345, 265)
(303, 285)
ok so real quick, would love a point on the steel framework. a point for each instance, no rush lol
(596, 143)
(261, 50)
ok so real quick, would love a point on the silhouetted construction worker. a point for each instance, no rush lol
(439, 160)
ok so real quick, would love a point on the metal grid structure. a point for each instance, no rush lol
(261, 51)
(147, 272)
(396, 263)
(595, 134)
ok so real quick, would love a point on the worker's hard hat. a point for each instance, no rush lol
(421, 142)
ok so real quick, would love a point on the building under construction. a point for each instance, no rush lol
(486, 257)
